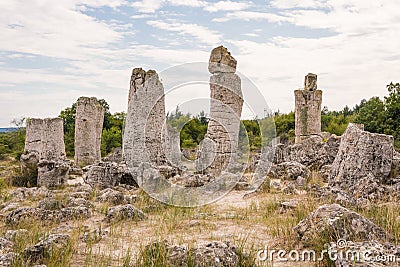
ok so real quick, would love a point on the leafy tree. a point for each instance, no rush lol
(373, 115)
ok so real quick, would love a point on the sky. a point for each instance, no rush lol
(52, 52)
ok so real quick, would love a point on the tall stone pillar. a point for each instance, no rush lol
(45, 152)
(220, 144)
(88, 129)
(308, 109)
(144, 120)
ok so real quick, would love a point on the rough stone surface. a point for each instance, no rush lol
(88, 129)
(361, 154)
(313, 152)
(111, 196)
(339, 223)
(221, 60)
(289, 171)
(115, 156)
(7, 259)
(144, 120)
(376, 250)
(308, 109)
(123, 212)
(53, 243)
(171, 146)
(213, 254)
(107, 174)
(44, 155)
(218, 150)
(46, 137)
(52, 173)
(26, 214)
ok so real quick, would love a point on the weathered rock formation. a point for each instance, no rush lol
(107, 174)
(220, 144)
(171, 146)
(144, 120)
(334, 221)
(215, 253)
(45, 152)
(88, 129)
(308, 109)
(361, 154)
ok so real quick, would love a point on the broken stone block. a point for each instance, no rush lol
(115, 156)
(52, 173)
(361, 154)
(111, 196)
(308, 109)
(336, 222)
(142, 141)
(88, 129)
(44, 152)
(55, 243)
(46, 137)
(108, 174)
(289, 171)
(221, 60)
(124, 212)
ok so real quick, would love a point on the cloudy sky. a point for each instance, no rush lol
(52, 52)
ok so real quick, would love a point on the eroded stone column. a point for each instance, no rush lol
(45, 152)
(144, 120)
(220, 144)
(308, 109)
(88, 129)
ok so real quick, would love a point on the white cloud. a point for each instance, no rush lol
(148, 6)
(226, 6)
(199, 32)
(287, 4)
(251, 15)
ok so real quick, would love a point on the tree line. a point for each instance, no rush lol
(377, 115)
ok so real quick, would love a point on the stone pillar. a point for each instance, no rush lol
(219, 147)
(144, 120)
(308, 109)
(172, 146)
(45, 152)
(88, 129)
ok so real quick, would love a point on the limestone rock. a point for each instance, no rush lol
(216, 254)
(308, 109)
(88, 129)
(376, 250)
(7, 259)
(289, 171)
(115, 156)
(26, 214)
(361, 154)
(144, 120)
(5, 246)
(52, 173)
(55, 243)
(213, 254)
(29, 168)
(111, 196)
(221, 60)
(45, 137)
(340, 223)
(124, 212)
(218, 151)
(13, 235)
(313, 152)
(107, 174)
